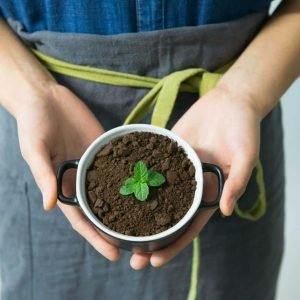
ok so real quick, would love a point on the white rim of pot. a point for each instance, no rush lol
(88, 158)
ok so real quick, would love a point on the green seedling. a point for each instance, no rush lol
(141, 181)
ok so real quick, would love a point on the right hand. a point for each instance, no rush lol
(223, 127)
(55, 126)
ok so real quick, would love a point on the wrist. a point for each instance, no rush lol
(23, 78)
(25, 88)
(28, 95)
(241, 98)
(240, 89)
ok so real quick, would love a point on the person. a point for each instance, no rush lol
(58, 116)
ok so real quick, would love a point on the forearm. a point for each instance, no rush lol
(270, 63)
(22, 77)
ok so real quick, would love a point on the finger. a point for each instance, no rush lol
(139, 261)
(81, 225)
(39, 161)
(163, 256)
(238, 177)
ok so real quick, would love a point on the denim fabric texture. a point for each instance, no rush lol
(113, 16)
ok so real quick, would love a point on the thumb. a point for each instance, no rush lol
(39, 161)
(235, 185)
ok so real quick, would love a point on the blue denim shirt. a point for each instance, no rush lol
(121, 16)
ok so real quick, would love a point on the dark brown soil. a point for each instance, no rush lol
(165, 206)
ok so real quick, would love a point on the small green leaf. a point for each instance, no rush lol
(141, 181)
(140, 172)
(130, 181)
(155, 178)
(141, 191)
(128, 187)
(125, 190)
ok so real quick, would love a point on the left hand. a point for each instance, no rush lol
(49, 134)
(223, 128)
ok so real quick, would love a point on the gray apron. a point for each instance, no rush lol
(41, 257)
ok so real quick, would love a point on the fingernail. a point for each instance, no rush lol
(156, 263)
(231, 205)
(115, 258)
(46, 202)
(137, 268)
(46, 206)
(227, 207)
(223, 216)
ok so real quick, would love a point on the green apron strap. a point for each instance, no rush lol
(192, 295)
(144, 106)
(95, 74)
(168, 94)
(163, 96)
(259, 207)
(209, 81)
(103, 75)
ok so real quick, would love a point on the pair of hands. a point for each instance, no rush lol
(222, 127)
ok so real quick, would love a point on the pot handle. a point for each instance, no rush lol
(219, 173)
(66, 165)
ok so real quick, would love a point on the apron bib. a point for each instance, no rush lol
(151, 55)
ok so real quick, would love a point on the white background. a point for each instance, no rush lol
(289, 282)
